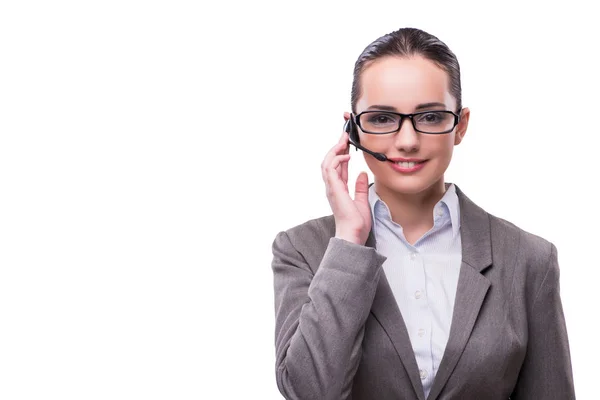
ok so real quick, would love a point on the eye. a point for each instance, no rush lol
(432, 117)
(381, 119)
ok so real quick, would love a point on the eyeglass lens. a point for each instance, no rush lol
(429, 122)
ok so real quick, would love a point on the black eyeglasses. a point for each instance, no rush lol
(431, 122)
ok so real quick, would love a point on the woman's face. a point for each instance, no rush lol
(409, 85)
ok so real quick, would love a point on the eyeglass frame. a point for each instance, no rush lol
(409, 116)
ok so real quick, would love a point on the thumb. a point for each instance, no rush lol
(361, 193)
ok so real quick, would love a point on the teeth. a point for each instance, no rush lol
(405, 164)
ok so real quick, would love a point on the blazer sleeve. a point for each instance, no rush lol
(546, 372)
(320, 317)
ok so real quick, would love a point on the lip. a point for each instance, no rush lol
(399, 168)
(398, 159)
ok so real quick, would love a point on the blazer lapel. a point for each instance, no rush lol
(470, 293)
(386, 311)
(472, 286)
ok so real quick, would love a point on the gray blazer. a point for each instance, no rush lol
(339, 333)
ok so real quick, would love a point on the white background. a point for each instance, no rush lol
(150, 152)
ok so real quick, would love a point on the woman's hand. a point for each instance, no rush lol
(352, 217)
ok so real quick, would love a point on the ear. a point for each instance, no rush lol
(461, 128)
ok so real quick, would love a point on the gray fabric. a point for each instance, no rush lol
(339, 333)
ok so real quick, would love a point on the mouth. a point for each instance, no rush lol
(408, 166)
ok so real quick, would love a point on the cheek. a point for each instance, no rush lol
(439, 148)
(438, 144)
(382, 144)
(377, 167)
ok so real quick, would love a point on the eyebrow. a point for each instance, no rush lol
(419, 107)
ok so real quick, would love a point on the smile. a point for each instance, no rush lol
(405, 166)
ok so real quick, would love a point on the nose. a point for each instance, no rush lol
(407, 139)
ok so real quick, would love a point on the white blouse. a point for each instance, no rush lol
(423, 276)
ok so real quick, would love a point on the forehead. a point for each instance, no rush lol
(404, 83)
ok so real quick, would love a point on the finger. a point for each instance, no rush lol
(347, 150)
(332, 175)
(335, 150)
(344, 169)
(331, 163)
(361, 188)
(335, 164)
(345, 140)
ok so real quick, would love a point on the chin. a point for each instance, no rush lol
(411, 184)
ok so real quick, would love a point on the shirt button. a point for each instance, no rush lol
(413, 255)
(439, 212)
(418, 294)
(423, 374)
(421, 332)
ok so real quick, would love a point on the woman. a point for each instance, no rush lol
(412, 291)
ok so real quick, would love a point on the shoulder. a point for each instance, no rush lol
(314, 229)
(534, 256)
(309, 238)
(505, 236)
(533, 244)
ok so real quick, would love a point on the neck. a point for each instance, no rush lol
(412, 211)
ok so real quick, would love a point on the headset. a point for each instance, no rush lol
(352, 129)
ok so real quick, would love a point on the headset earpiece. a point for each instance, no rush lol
(352, 130)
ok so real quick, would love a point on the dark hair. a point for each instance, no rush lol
(407, 42)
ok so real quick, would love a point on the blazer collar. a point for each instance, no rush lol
(474, 232)
(450, 199)
(471, 290)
